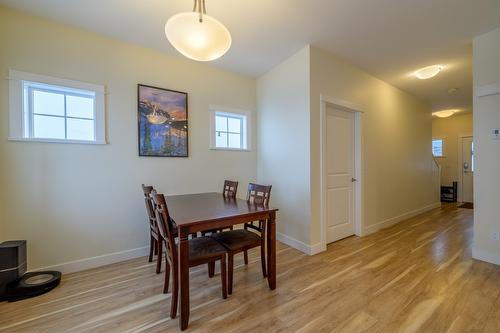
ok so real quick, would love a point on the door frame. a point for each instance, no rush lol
(460, 148)
(358, 163)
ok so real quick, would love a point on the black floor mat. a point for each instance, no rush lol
(468, 205)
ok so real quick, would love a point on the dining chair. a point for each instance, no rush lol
(242, 240)
(202, 250)
(230, 189)
(155, 244)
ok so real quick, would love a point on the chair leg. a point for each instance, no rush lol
(175, 294)
(158, 260)
(223, 276)
(263, 249)
(156, 247)
(167, 276)
(230, 273)
(263, 259)
(245, 256)
(211, 269)
(151, 248)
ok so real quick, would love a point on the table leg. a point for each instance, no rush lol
(271, 251)
(184, 278)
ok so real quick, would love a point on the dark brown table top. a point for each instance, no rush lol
(190, 209)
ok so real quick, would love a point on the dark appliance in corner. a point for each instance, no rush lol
(15, 283)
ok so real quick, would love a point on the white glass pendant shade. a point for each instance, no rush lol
(201, 41)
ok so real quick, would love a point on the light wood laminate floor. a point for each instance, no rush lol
(417, 276)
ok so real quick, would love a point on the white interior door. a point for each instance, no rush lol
(340, 148)
(467, 169)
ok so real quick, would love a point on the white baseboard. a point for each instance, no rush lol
(88, 263)
(482, 255)
(317, 248)
(107, 259)
(301, 246)
(394, 220)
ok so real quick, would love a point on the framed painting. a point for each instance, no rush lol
(163, 122)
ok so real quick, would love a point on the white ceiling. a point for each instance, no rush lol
(388, 38)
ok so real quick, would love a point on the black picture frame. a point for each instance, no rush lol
(158, 138)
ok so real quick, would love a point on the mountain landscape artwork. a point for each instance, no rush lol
(163, 128)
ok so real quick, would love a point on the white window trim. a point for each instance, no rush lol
(444, 147)
(16, 106)
(247, 135)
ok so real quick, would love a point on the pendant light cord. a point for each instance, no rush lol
(199, 6)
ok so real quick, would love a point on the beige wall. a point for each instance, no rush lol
(399, 172)
(79, 201)
(487, 175)
(283, 152)
(397, 158)
(450, 130)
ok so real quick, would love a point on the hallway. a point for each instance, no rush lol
(417, 276)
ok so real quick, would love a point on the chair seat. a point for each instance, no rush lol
(237, 239)
(204, 247)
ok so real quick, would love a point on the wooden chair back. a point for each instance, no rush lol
(165, 226)
(230, 189)
(259, 194)
(148, 201)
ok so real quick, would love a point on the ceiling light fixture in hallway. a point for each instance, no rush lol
(445, 113)
(428, 72)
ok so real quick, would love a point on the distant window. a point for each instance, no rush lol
(55, 110)
(438, 148)
(472, 157)
(230, 129)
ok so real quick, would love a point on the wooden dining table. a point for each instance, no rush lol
(194, 213)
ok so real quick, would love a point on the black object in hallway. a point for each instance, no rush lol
(468, 205)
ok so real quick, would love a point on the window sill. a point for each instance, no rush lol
(230, 149)
(78, 142)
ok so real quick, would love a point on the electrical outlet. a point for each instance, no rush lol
(495, 235)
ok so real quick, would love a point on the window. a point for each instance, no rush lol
(472, 167)
(55, 110)
(438, 148)
(229, 130)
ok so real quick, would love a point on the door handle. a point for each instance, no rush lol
(354, 180)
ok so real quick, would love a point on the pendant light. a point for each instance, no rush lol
(197, 35)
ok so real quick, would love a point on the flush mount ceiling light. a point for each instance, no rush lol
(197, 35)
(428, 72)
(445, 113)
